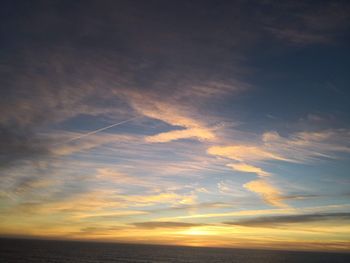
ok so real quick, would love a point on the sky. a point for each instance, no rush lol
(198, 123)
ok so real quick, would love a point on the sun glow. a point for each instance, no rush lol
(201, 231)
(196, 232)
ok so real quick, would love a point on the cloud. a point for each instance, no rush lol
(299, 147)
(193, 207)
(224, 188)
(39, 95)
(246, 168)
(109, 214)
(308, 146)
(98, 74)
(124, 180)
(114, 176)
(307, 24)
(62, 147)
(299, 36)
(300, 196)
(239, 213)
(25, 185)
(269, 193)
(198, 133)
(101, 202)
(160, 224)
(151, 107)
(87, 76)
(244, 152)
(272, 221)
(99, 130)
(18, 143)
(161, 198)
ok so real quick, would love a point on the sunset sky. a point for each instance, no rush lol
(200, 123)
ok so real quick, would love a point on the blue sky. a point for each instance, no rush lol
(190, 122)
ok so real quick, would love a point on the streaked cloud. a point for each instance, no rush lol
(308, 146)
(198, 133)
(118, 177)
(162, 224)
(307, 25)
(272, 221)
(237, 213)
(246, 168)
(173, 115)
(93, 141)
(193, 207)
(244, 152)
(268, 192)
(167, 198)
(299, 147)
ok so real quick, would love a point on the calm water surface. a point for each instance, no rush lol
(18, 250)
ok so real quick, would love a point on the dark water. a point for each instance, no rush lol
(16, 250)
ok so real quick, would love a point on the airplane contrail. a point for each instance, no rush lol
(98, 130)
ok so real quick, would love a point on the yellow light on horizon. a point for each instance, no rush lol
(198, 231)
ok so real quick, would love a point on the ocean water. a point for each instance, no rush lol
(20, 250)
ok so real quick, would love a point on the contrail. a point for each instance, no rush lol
(98, 130)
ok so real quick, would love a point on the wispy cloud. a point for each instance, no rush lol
(268, 192)
(305, 24)
(308, 146)
(114, 176)
(272, 221)
(165, 224)
(99, 130)
(198, 133)
(246, 168)
(244, 152)
(299, 147)
(93, 141)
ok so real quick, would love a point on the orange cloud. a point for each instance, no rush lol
(166, 112)
(246, 168)
(145, 200)
(269, 193)
(244, 152)
(175, 115)
(198, 133)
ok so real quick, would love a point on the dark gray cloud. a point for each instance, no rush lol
(300, 196)
(274, 221)
(311, 196)
(307, 23)
(16, 143)
(43, 89)
(62, 59)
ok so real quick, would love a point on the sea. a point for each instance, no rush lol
(25, 250)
